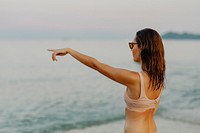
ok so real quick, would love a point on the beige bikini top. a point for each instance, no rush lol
(143, 103)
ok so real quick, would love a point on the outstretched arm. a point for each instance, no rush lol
(122, 76)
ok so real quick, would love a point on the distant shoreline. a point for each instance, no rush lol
(42, 35)
(181, 36)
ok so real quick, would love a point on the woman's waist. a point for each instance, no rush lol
(138, 125)
(139, 121)
(143, 117)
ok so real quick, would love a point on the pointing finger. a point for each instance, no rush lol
(52, 50)
(54, 57)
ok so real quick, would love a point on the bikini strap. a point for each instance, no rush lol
(142, 88)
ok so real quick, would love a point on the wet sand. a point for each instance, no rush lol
(163, 126)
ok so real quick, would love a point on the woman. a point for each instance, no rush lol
(143, 89)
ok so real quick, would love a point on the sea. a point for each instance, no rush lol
(38, 95)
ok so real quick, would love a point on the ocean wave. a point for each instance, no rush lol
(66, 126)
(181, 106)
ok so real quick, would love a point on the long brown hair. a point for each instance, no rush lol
(152, 56)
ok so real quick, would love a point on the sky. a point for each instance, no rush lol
(95, 18)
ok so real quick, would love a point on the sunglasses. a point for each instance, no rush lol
(131, 45)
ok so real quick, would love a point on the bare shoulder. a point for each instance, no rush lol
(135, 80)
(134, 87)
(134, 75)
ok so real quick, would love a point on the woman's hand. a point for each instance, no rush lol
(58, 52)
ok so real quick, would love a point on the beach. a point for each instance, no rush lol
(42, 96)
(163, 126)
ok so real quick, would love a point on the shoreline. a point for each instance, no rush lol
(163, 126)
(172, 126)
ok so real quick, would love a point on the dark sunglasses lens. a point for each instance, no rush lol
(131, 45)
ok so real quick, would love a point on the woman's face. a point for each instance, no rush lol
(136, 52)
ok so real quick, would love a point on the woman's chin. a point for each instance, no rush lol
(136, 60)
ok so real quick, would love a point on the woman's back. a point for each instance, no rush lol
(141, 106)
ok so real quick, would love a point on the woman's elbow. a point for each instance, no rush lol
(95, 64)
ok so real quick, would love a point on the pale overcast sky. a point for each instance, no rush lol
(120, 17)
